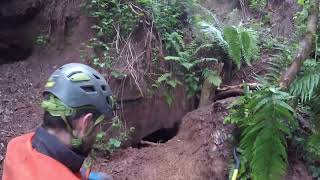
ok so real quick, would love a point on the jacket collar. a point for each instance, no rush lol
(49, 145)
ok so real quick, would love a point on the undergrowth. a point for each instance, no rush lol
(270, 117)
(120, 136)
(117, 20)
(266, 120)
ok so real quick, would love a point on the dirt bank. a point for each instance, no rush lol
(199, 151)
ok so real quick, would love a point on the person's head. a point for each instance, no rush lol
(76, 99)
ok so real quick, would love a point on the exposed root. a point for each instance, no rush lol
(148, 143)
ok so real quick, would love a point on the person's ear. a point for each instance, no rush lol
(83, 124)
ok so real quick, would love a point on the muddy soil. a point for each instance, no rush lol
(199, 151)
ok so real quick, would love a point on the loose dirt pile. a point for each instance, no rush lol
(199, 151)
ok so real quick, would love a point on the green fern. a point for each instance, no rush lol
(307, 82)
(305, 86)
(313, 144)
(212, 76)
(249, 46)
(174, 42)
(275, 69)
(215, 34)
(240, 43)
(265, 119)
(231, 36)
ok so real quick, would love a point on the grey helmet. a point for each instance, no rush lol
(79, 85)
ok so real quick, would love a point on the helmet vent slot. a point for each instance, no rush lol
(103, 87)
(88, 88)
(73, 73)
(96, 76)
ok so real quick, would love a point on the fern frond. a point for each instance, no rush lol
(313, 144)
(246, 46)
(266, 118)
(212, 76)
(276, 66)
(249, 45)
(213, 32)
(306, 84)
(234, 47)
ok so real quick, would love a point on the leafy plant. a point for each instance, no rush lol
(234, 45)
(242, 44)
(213, 32)
(313, 145)
(265, 120)
(239, 42)
(42, 40)
(315, 172)
(113, 19)
(307, 83)
(167, 81)
(258, 5)
(212, 76)
(186, 65)
(113, 143)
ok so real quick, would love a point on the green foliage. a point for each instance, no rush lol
(212, 76)
(301, 18)
(166, 13)
(301, 2)
(167, 81)
(112, 144)
(249, 47)
(313, 145)
(186, 65)
(214, 33)
(174, 42)
(282, 58)
(42, 40)
(315, 171)
(112, 17)
(234, 47)
(242, 44)
(239, 42)
(258, 5)
(307, 83)
(265, 120)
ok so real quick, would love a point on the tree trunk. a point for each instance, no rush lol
(207, 88)
(306, 46)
